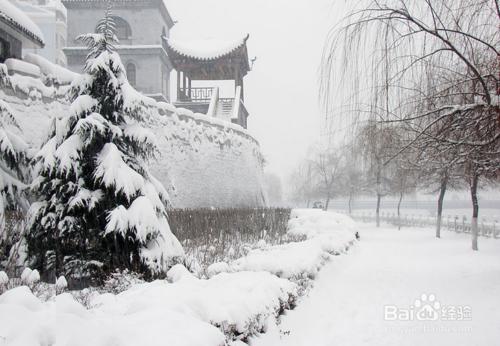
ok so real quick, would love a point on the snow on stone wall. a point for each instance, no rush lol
(210, 163)
(204, 162)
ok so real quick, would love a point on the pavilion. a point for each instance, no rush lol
(210, 60)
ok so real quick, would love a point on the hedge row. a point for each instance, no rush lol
(213, 235)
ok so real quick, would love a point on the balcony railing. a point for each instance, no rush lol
(195, 94)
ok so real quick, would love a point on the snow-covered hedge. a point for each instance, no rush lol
(186, 312)
(25, 320)
(214, 235)
(238, 300)
(327, 234)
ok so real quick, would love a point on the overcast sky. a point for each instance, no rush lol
(287, 36)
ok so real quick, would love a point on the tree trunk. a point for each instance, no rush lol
(327, 202)
(379, 189)
(475, 210)
(379, 197)
(442, 191)
(399, 208)
(350, 200)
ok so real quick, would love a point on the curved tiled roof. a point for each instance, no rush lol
(17, 19)
(205, 50)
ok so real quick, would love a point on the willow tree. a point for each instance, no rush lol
(429, 65)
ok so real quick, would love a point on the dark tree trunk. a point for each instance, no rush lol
(379, 197)
(399, 208)
(442, 191)
(327, 202)
(475, 210)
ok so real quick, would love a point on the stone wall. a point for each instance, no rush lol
(204, 162)
(209, 163)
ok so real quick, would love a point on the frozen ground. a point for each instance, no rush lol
(394, 268)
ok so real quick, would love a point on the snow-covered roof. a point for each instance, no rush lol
(208, 49)
(17, 19)
(49, 69)
(116, 3)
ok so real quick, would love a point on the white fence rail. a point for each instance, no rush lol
(459, 224)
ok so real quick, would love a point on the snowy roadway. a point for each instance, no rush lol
(390, 270)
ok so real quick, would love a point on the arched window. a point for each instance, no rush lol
(122, 28)
(131, 73)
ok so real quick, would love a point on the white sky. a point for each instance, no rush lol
(281, 92)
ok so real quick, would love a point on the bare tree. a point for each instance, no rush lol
(327, 167)
(352, 182)
(432, 67)
(302, 184)
(377, 144)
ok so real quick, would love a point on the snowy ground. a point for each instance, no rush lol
(355, 300)
(238, 300)
(489, 214)
(394, 268)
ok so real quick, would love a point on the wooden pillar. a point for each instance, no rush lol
(189, 86)
(242, 90)
(178, 85)
(238, 80)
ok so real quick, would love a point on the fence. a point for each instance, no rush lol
(487, 227)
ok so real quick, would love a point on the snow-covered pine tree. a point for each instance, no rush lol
(13, 165)
(100, 209)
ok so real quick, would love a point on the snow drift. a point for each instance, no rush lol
(326, 234)
(187, 312)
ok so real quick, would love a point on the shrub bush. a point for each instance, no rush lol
(221, 235)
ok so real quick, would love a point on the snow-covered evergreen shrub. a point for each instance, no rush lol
(13, 171)
(100, 209)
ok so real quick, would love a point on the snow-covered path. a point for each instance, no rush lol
(391, 267)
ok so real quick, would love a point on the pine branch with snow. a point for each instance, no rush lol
(99, 208)
(104, 39)
(13, 165)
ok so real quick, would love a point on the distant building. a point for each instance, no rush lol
(149, 55)
(17, 31)
(50, 17)
(140, 25)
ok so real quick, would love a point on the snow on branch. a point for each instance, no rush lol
(114, 173)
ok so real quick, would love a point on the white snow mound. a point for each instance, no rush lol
(326, 234)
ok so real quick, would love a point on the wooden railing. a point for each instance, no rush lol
(229, 108)
(195, 94)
